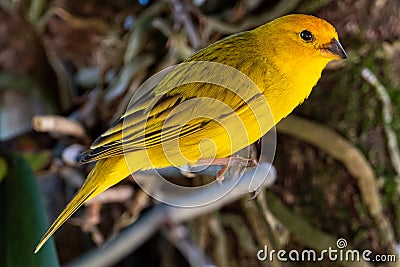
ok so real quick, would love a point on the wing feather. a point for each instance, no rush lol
(155, 118)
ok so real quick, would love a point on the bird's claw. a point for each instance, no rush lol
(256, 193)
(238, 163)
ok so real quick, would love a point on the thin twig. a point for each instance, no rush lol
(139, 33)
(77, 22)
(178, 42)
(181, 13)
(116, 194)
(121, 83)
(91, 220)
(387, 117)
(134, 208)
(87, 113)
(220, 248)
(262, 230)
(282, 8)
(179, 236)
(59, 125)
(36, 9)
(279, 231)
(244, 237)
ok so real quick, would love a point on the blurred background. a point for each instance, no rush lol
(68, 68)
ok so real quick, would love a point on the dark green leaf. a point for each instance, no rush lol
(23, 218)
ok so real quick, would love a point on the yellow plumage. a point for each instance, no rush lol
(283, 60)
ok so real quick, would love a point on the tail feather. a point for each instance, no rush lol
(105, 174)
(73, 206)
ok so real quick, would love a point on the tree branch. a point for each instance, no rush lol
(135, 235)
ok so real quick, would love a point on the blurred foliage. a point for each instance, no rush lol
(23, 218)
(3, 168)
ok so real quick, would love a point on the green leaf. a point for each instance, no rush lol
(3, 168)
(23, 218)
(37, 160)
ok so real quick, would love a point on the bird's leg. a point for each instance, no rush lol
(226, 161)
(256, 193)
(185, 171)
(234, 161)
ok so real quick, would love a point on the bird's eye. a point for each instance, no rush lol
(306, 36)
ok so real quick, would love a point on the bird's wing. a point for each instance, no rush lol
(182, 104)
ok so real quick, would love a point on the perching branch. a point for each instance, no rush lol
(130, 239)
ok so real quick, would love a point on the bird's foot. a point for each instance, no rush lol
(236, 163)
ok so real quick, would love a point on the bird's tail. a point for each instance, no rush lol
(106, 173)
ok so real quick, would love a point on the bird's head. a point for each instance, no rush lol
(304, 37)
(297, 48)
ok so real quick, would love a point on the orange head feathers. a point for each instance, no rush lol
(305, 35)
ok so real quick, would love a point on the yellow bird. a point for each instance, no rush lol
(276, 64)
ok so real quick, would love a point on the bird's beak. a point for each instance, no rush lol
(334, 49)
